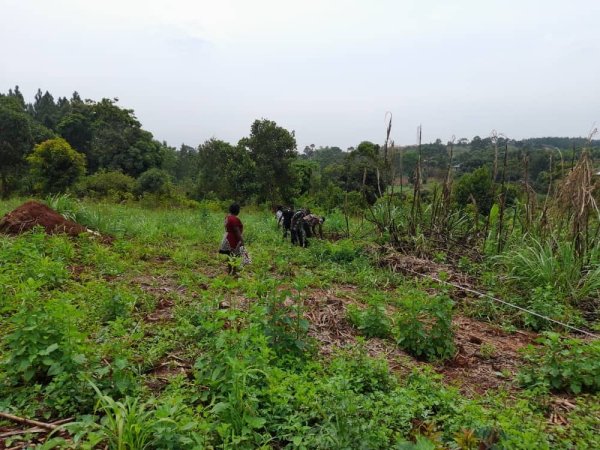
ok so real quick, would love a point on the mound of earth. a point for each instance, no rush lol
(32, 213)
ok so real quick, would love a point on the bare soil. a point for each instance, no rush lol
(32, 213)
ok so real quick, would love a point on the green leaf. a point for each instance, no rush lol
(255, 422)
(48, 350)
(220, 407)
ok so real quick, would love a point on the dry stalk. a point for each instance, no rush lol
(575, 199)
(415, 211)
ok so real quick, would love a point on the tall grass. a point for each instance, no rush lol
(554, 264)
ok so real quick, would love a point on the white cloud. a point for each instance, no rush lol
(329, 69)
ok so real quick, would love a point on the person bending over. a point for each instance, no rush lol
(314, 224)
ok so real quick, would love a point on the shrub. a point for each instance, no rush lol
(44, 343)
(360, 372)
(372, 322)
(284, 324)
(425, 329)
(476, 185)
(55, 165)
(154, 181)
(563, 364)
(104, 184)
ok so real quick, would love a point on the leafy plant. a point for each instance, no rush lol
(44, 343)
(113, 184)
(125, 425)
(563, 364)
(372, 321)
(56, 165)
(425, 328)
(343, 251)
(476, 186)
(487, 350)
(284, 324)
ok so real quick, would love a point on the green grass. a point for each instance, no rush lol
(184, 356)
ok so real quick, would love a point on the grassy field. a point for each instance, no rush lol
(147, 343)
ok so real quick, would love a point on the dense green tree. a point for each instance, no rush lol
(154, 181)
(326, 156)
(186, 166)
(44, 110)
(76, 128)
(18, 96)
(119, 142)
(304, 175)
(363, 169)
(309, 151)
(55, 165)
(477, 144)
(476, 186)
(16, 139)
(224, 171)
(272, 148)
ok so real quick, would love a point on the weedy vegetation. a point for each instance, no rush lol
(148, 343)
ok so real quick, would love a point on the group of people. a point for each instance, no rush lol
(300, 224)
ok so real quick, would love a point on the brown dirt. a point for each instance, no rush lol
(169, 367)
(411, 265)
(328, 325)
(163, 288)
(33, 213)
(487, 357)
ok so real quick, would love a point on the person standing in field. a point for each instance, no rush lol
(233, 241)
(286, 221)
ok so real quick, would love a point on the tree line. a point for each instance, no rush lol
(97, 147)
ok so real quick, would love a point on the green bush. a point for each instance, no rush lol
(55, 165)
(112, 184)
(478, 186)
(154, 181)
(371, 322)
(425, 328)
(563, 364)
(44, 343)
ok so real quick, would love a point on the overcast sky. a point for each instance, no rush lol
(328, 69)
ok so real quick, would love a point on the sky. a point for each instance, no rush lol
(328, 69)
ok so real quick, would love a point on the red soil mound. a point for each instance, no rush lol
(33, 213)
